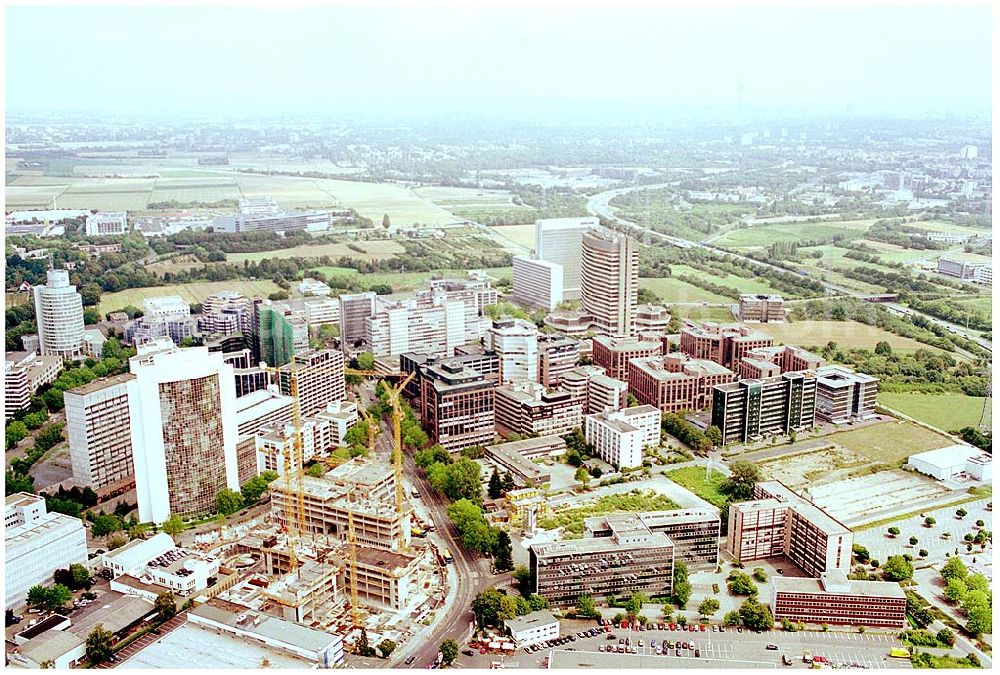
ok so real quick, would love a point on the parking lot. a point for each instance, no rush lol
(867, 650)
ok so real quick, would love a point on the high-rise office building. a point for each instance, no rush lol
(100, 434)
(59, 316)
(319, 378)
(725, 344)
(600, 392)
(354, 310)
(24, 374)
(558, 240)
(456, 405)
(515, 342)
(615, 353)
(182, 405)
(609, 281)
(530, 409)
(619, 437)
(676, 382)
(537, 283)
(762, 308)
(753, 409)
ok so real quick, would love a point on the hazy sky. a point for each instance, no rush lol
(265, 60)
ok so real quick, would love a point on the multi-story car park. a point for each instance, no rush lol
(777, 522)
(834, 599)
(632, 559)
(694, 533)
(752, 409)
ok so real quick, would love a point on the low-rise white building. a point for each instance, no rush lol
(157, 562)
(310, 286)
(166, 307)
(954, 461)
(105, 223)
(36, 544)
(60, 648)
(532, 628)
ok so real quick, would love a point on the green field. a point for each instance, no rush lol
(944, 411)
(848, 334)
(192, 293)
(891, 442)
(402, 281)
(742, 284)
(374, 250)
(699, 313)
(983, 302)
(674, 290)
(693, 478)
(761, 236)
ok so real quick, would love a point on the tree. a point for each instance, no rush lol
(913, 541)
(682, 593)
(523, 580)
(436, 454)
(897, 568)
(449, 651)
(954, 569)
(741, 584)
(861, 553)
(385, 221)
(946, 636)
(173, 525)
(105, 524)
(228, 501)
(582, 475)
(16, 432)
(883, 348)
(507, 483)
(708, 607)
(362, 647)
(495, 488)
(929, 521)
(386, 647)
(893, 531)
(537, 602)
(955, 590)
(366, 361)
(979, 614)
(100, 644)
(755, 616)
(961, 513)
(714, 435)
(255, 488)
(79, 575)
(492, 606)
(585, 607)
(165, 605)
(731, 618)
(922, 553)
(740, 484)
(980, 523)
(680, 572)
(503, 558)
(634, 604)
(977, 582)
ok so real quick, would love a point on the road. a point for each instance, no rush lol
(469, 569)
(599, 205)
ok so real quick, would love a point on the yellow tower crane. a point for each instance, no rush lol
(295, 513)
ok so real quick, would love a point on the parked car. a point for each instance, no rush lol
(697, 653)
(772, 648)
(410, 659)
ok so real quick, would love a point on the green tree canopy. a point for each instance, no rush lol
(100, 644)
(228, 501)
(897, 568)
(755, 615)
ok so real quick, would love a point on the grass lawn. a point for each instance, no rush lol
(761, 236)
(519, 234)
(982, 303)
(572, 519)
(406, 280)
(891, 442)
(192, 293)
(944, 411)
(848, 334)
(674, 290)
(693, 478)
(374, 250)
(697, 313)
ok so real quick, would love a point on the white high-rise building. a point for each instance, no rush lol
(59, 315)
(36, 544)
(516, 343)
(182, 405)
(558, 240)
(537, 283)
(619, 437)
(610, 281)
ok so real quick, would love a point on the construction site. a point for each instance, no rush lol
(334, 553)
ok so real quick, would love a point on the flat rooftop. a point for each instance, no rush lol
(98, 385)
(389, 560)
(528, 444)
(881, 589)
(196, 649)
(817, 516)
(542, 617)
(596, 545)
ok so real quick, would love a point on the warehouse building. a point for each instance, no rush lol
(954, 462)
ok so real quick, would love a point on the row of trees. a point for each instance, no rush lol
(970, 592)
